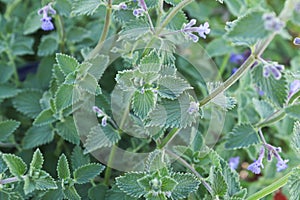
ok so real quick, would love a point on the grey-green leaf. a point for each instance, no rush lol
(87, 7)
(66, 63)
(36, 136)
(44, 118)
(63, 169)
(129, 184)
(296, 137)
(294, 184)
(67, 130)
(187, 183)
(87, 172)
(7, 128)
(15, 164)
(293, 111)
(172, 87)
(66, 96)
(37, 160)
(78, 158)
(218, 184)
(143, 103)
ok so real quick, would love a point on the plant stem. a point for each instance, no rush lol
(186, 164)
(98, 47)
(61, 32)
(271, 188)
(168, 138)
(262, 136)
(109, 162)
(276, 116)
(13, 64)
(10, 180)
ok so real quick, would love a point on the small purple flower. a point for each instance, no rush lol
(273, 68)
(140, 11)
(104, 121)
(294, 87)
(47, 25)
(236, 58)
(194, 107)
(202, 30)
(272, 23)
(122, 6)
(296, 41)
(281, 165)
(256, 166)
(234, 70)
(234, 162)
(98, 111)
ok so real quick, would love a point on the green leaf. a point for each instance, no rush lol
(6, 72)
(173, 113)
(101, 137)
(97, 192)
(32, 23)
(177, 21)
(63, 170)
(66, 96)
(28, 185)
(8, 91)
(247, 30)
(218, 184)
(44, 118)
(213, 48)
(294, 184)
(67, 130)
(263, 108)
(242, 136)
(48, 45)
(293, 111)
(37, 160)
(172, 87)
(7, 128)
(135, 29)
(275, 90)
(44, 181)
(173, 2)
(22, 46)
(63, 7)
(115, 193)
(90, 84)
(66, 63)
(99, 65)
(143, 103)
(28, 103)
(87, 7)
(236, 7)
(150, 63)
(296, 137)
(71, 193)
(129, 184)
(187, 183)
(37, 135)
(78, 158)
(87, 172)
(15, 164)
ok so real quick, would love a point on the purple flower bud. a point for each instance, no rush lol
(194, 107)
(276, 73)
(256, 166)
(281, 165)
(273, 68)
(296, 41)
(234, 162)
(47, 25)
(294, 87)
(270, 155)
(98, 111)
(122, 6)
(104, 121)
(138, 12)
(236, 58)
(202, 30)
(266, 71)
(142, 90)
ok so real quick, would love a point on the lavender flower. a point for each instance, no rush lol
(123, 6)
(194, 107)
(296, 41)
(104, 121)
(281, 164)
(202, 30)
(272, 23)
(236, 58)
(47, 25)
(98, 111)
(234, 162)
(294, 87)
(140, 11)
(256, 166)
(273, 68)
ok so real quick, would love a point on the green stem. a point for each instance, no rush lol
(276, 116)
(169, 137)
(224, 64)
(109, 162)
(61, 32)
(98, 47)
(271, 188)
(13, 64)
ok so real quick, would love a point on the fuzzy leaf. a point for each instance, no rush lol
(236, 7)
(44, 181)
(90, 84)
(66, 96)
(98, 192)
(293, 111)
(101, 137)
(36, 136)
(150, 63)
(63, 170)
(116, 193)
(66, 63)
(187, 183)
(263, 108)
(296, 137)
(142, 104)
(247, 30)
(213, 48)
(64, 7)
(275, 90)
(218, 183)
(86, 7)
(15, 164)
(37, 160)
(6, 73)
(32, 23)
(71, 193)
(8, 91)
(28, 103)
(7, 128)
(172, 87)
(294, 184)
(44, 118)
(87, 172)
(129, 184)
(67, 130)
(78, 158)
(242, 136)
(48, 45)
(99, 65)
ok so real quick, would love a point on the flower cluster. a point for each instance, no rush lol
(100, 113)
(189, 30)
(272, 23)
(273, 68)
(140, 11)
(256, 166)
(47, 25)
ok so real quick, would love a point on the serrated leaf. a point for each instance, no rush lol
(44, 118)
(99, 65)
(8, 91)
(213, 48)
(44, 181)
(101, 137)
(172, 113)
(143, 103)
(218, 184)
(90, 84)
(7, 128)
(87, 172)
(37, 160)
(242, 136)
(28, 185)
(63, 170)
(28, 103)
(22, 46)
(187, 183)
(71, 193)
(177, 21)
(6, 72)
(263, 108)
(56, 194)
(32, 23)
(66, 63)
(172, 87)
(64, 8)
(68, 131)
(48, 45)
(135, 29)
(97, 192)
(247, 30)
(129, 184)
(86, 7)
(294, 184)
(66, 96)
(36, 136)
(173, 2)
(150, 63)
(15, 164)
(293, 111)
(78, 158)
(296, 137)
(116, 193)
